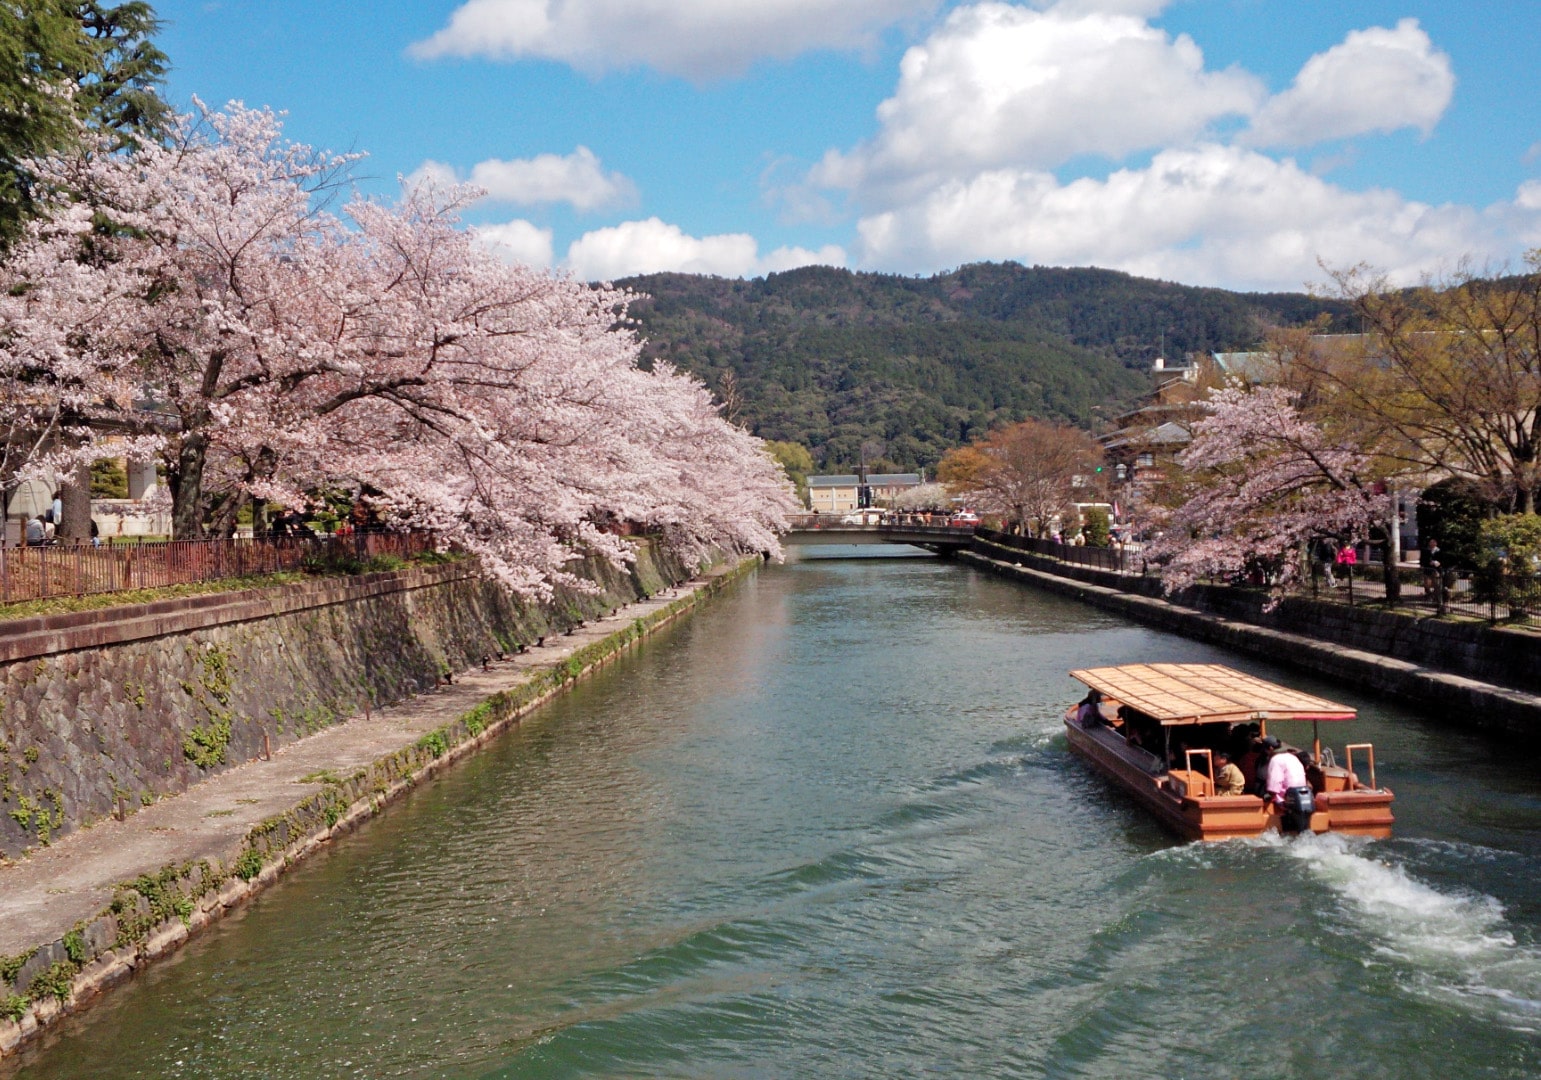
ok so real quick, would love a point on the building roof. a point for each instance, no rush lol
(1169, 433)
(903, 479)
(1249, 366)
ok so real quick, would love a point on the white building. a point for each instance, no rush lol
(840, 493)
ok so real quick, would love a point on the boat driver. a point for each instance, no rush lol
(1284, 772)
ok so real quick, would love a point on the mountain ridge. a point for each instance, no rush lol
(834, 358)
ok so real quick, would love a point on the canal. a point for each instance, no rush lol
(829, 827)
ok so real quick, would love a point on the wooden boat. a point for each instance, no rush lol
(1202, 704)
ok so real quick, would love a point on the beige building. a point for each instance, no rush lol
(840, 493)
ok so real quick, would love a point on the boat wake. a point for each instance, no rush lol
(1454, 947)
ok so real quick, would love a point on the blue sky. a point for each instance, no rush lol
(1223, 142)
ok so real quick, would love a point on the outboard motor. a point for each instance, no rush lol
(1299, 805)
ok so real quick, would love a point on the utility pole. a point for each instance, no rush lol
(863, 492)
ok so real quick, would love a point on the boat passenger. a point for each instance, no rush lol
(1245, 754)
(1089, 709)
(1228, 778)
(1137, 725)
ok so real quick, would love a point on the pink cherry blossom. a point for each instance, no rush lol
(1265, 482)
(266, 347)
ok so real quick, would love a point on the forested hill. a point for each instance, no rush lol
(831, 358)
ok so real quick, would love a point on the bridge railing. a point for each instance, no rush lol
(901, 522)
(51, 570)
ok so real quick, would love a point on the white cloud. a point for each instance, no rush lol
(517, 241)
(999, 84)
(432, 173)
(1209, 214)
(651, 246)
(1376, 80)
(577, 179)
(962, 166)
(697, 39)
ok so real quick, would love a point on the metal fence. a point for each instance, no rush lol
(50, 570)
(1506, 598)
(1510, 599)
(1116, 559)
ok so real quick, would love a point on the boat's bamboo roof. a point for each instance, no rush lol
(1202, 693)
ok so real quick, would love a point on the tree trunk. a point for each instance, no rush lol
(74, 526)
(187, 488)
(1393, 556)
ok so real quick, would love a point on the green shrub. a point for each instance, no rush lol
(435, 742)
(1509, 569)
(1452, 512)
(1096, 527)
(55, 982)
(75, 946)
(249, 865)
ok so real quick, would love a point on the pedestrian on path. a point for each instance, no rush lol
(1429, 562)
(1326, 555)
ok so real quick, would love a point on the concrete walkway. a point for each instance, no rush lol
(42, 896)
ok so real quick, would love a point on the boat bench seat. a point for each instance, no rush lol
(1193, 783)
(1332, 778)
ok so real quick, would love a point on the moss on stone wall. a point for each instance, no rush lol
(134, 721)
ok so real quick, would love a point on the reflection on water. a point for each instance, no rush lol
(829, 826)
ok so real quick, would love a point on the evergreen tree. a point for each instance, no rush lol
(64, 64)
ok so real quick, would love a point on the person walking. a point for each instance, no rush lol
(1327, 555)
(1431, 562)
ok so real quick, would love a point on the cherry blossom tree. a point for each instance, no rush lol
(1263, 482)
(202, 297)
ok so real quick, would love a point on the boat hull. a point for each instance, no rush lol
(1361, 812)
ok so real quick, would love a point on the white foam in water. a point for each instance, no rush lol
(1453, 946)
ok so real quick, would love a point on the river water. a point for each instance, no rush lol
(829, 827)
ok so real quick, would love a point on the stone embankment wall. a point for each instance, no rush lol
(1474, 674)
(108, 710)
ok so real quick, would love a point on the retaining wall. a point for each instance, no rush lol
(114, 708)
(1496, 654)
(1451, 695)
(155, 914)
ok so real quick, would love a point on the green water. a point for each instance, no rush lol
(829, 827)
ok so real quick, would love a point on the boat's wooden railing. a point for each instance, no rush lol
(1369, 749)
(1209, 762)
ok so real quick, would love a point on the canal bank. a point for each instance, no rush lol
(90, 911)
(1452, 696)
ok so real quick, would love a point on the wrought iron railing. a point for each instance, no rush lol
(1510, 599)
